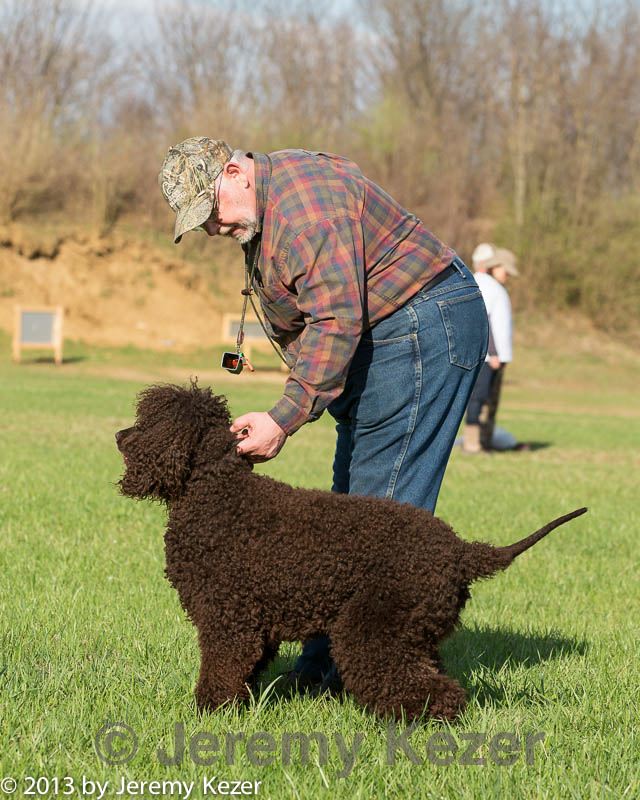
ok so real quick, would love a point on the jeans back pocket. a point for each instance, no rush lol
(467, 327)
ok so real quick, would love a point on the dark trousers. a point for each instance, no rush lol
(483, 403)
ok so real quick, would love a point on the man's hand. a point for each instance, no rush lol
(259, 436)
(494, 362)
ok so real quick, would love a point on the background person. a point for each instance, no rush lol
(480, 259)
(381, 323)
(493, 268)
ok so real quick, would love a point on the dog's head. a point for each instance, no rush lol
(172, 425)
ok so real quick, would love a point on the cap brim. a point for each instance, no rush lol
(195, 213)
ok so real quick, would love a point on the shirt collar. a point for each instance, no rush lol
(263, 176)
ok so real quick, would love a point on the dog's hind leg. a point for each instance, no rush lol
(389, 669)
(392, 685)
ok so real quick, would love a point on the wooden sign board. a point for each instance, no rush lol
(252, 329)
(37, 328)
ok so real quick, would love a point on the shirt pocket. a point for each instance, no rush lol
(279, 306)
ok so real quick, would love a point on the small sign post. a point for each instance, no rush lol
(36, 328)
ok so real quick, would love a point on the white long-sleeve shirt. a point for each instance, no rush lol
(498, 304)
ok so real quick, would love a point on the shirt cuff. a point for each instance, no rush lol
(288, 415)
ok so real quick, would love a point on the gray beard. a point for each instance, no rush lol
(250, 226)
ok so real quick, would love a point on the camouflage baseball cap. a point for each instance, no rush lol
(187, 180)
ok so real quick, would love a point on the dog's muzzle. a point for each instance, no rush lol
(121, 436)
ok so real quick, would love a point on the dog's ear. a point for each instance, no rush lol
(171, 422)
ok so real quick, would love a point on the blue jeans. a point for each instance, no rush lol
(406, 392)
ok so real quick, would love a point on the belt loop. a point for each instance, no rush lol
(459, 264)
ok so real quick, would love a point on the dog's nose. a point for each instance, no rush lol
(120, 436)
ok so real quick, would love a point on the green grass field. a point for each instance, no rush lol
(93, 634)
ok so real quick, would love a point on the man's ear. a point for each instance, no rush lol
(236, 172)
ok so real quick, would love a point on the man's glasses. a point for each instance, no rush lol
(213, 216)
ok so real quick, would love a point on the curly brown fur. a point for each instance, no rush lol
(257, 562)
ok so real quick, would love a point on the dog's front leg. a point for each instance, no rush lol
(227, 663)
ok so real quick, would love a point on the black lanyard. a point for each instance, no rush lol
(252, 256)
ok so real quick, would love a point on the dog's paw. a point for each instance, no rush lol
(204, 704)
(449, 703)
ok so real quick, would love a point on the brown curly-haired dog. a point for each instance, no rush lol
(257, 562)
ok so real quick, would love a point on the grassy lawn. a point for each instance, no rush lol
(91, 633)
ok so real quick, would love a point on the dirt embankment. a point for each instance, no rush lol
(119, 290)
(114, 291)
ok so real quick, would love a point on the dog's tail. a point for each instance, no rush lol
(483, 560)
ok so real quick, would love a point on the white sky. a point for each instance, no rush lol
(127, 17)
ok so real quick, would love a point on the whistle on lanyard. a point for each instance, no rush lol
(235, 362)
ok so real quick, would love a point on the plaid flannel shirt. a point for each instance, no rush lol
(336, 255)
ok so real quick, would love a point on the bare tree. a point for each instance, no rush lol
(51, 59)
(191, 67)
(305, 76)
(517, 120)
